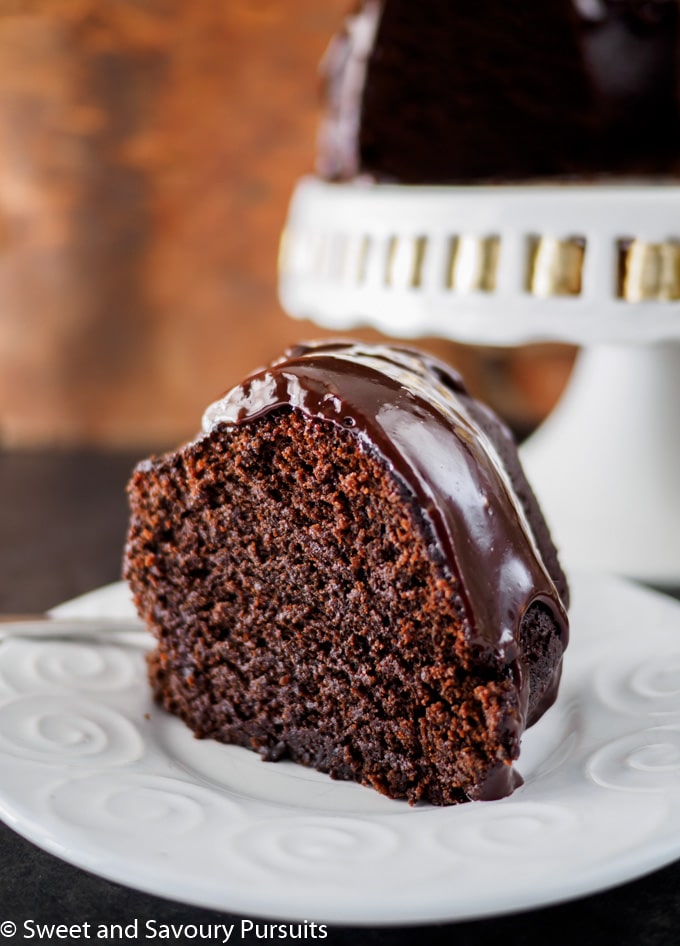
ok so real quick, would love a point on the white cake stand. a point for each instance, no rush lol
(598, 267)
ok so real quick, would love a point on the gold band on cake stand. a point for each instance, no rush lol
(597, 267)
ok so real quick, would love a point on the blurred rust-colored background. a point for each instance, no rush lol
(148, 149)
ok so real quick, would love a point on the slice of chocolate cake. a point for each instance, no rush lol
(446, 91)
(348, 569)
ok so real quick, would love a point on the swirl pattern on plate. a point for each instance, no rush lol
(533, 827)
(644, 761)
(316, 846)
(650, 688)
(63, 730)
(27, 665)
(158, 806)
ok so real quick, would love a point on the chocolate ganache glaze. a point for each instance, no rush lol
(433, 436)
(444, 91)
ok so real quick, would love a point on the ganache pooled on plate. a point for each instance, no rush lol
(349, 569)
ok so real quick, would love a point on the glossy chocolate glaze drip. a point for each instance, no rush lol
(456, 92)
(415, 412)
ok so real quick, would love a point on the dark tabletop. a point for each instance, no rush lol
(62, 523)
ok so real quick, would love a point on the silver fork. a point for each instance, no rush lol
(39, 627)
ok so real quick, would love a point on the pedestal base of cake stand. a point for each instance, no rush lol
(605, 465)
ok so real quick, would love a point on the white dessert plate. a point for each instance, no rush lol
(97, 775)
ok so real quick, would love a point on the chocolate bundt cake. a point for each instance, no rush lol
(444, 91)
(348, 569)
